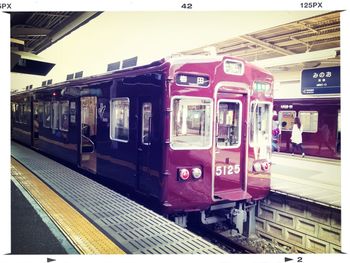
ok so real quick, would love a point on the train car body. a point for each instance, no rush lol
(320, 118)
(194, 133)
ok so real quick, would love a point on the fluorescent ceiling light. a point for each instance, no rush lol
(17, 41)
(30, 56)
(298, 58)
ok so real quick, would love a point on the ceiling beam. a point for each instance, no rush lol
(306, 44)
(29, 31)
(307, 27)
(233, 48)
(72, 23)
(249, 53)
(52, 14)
(266, 45)
(320, 55)
(310, 39)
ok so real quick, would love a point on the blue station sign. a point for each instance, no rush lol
(320, 80)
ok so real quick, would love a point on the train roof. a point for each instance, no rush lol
(153, 66)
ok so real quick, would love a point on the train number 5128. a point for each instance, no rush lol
(227, 170)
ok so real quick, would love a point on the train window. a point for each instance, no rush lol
(286, 118)
(309, 120)
(15, 108)
(64, 115)
(146, 123)
(191, 123)
(260, 128)
(228, 130)
(47, 115)
(54, 115)
(26, 113)
(233, 67)
(119, 129)
(338, 148)
(40, 111)
(21, 113)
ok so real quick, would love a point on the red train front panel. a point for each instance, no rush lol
(208, 154)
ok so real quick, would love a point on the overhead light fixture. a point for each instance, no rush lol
(298, 58)
(17, 41)
(28, 63)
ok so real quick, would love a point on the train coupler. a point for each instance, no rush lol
(243, 218)
(181, 220)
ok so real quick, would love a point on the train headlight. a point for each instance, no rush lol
(183, 78)
(196, 173)
(184, 174)
(257, 167)
(265, 166)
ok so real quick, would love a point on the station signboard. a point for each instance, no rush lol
(320, 80)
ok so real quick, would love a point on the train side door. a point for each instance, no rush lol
(88, 132)
(145, 107)
(231, 148)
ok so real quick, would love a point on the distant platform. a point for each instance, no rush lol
(314, 179)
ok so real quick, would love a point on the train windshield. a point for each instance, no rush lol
(191, 123)
(260, 129)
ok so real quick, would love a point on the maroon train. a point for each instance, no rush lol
(195, 133)
(320, 118)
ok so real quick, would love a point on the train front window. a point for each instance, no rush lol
(191, 123)
(260, 129)
(228, 130)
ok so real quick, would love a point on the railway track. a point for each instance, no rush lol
(233, 242)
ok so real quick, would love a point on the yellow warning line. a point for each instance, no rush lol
(83, 235)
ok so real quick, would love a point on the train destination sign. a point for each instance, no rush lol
(320, 80)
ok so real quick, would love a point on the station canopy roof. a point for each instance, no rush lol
(33, 32)
(276, 48)
(310, 42)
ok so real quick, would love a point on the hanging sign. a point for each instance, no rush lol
(320, 80)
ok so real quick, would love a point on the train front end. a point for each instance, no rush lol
(217, 136)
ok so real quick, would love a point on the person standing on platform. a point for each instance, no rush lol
(297, 138)
(276, 132)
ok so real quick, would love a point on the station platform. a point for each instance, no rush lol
(94, 219)
(32, 223)
(309, 178)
